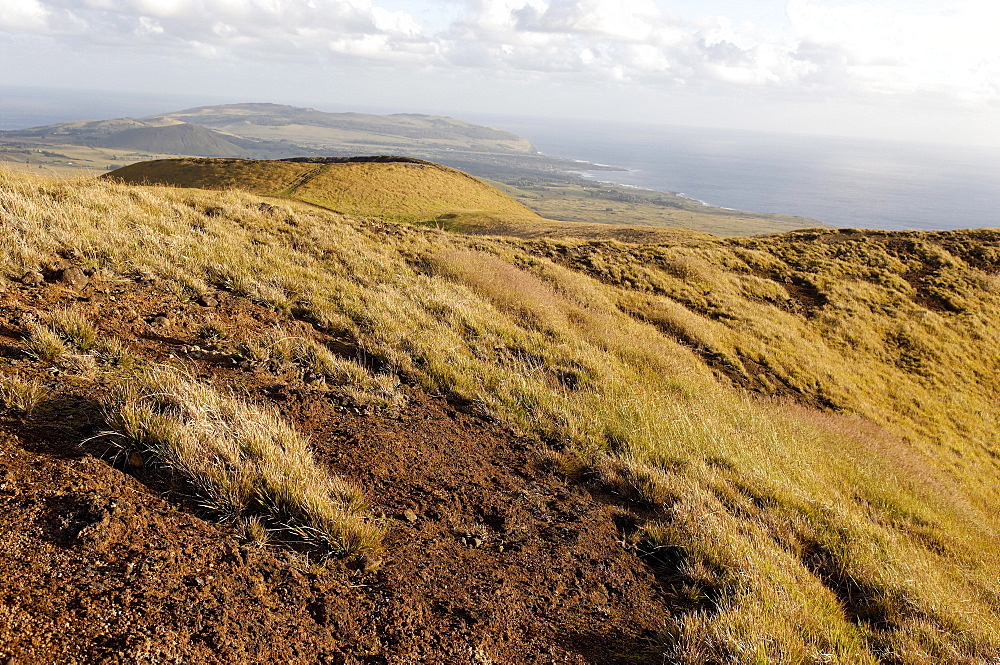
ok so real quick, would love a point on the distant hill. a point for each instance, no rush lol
(396, 188)
(309, 127)
(182, 138)
(162, 135)
(274, 130)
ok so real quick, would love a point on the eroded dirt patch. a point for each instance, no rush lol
(488, 559)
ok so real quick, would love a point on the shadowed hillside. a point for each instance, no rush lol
(772, 449)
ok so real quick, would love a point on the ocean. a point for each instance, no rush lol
(840, 181)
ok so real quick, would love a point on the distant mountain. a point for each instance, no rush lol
(306, 126)
(160, 135)
(276, 131)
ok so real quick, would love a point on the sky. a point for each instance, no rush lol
(897, 69)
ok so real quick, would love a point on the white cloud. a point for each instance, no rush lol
(23, 15)
(249, 28)
(950, 49)
(827, 47)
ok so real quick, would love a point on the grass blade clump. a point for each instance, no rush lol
(283, 350)
(58, 333)
(73, 327)
(42, 343)
(242, 460)
(21, 394)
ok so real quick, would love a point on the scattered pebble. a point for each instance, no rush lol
(33, 278)
(74, 277)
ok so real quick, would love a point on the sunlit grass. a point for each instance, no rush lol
(21, 394)
(243, 461)
(812, 422)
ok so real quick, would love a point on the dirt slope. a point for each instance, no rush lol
(489, 559)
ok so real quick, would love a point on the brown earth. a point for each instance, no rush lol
(488, 558)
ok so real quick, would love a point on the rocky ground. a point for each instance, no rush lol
(489, 558)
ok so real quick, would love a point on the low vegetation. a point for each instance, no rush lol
(20, 394)
(807, 420)
(243, 461)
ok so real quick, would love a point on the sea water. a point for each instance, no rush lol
(840, 181)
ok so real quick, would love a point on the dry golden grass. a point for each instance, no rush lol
(73, 327)
(283, 350)
(243, 461)
(42, 343)
(21, 394)
(67, 339)
(812, 416)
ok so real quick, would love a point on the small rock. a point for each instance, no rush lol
(33, 278)
(365, 563)
(160, 320)
(207, 301)
(73, 277)
(410, 515)
(476, 542)
(371, 564)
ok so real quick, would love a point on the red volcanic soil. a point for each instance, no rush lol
(488, 557)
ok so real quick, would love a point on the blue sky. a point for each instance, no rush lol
(916, 70)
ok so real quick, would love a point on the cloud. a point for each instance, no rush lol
(241, 28)
(950, 49)
(827, 47)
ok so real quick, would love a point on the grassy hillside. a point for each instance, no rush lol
(393, 188)
(798, 431)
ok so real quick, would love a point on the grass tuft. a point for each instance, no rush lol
(21, 394)
(114, 352)
(74, 328)
(42, 343)
(243, 461)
